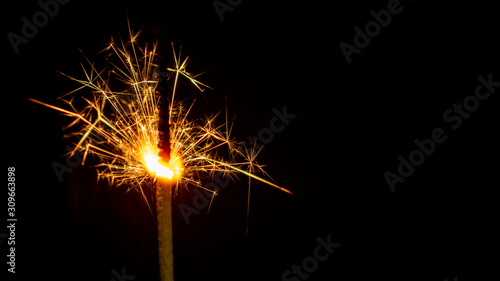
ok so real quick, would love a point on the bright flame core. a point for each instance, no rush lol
(159, 168)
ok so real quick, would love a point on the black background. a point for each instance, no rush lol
(353, 120)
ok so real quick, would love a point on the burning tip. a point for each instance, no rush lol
(160, 168)
(163, 170)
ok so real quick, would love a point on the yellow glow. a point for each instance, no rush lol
(159, 168)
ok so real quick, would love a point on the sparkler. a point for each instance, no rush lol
(127, 131)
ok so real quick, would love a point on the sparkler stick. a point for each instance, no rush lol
(127, 132)
(165, 233)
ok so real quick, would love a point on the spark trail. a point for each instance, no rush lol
(117, 122)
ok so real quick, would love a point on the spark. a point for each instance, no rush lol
(117, 123)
